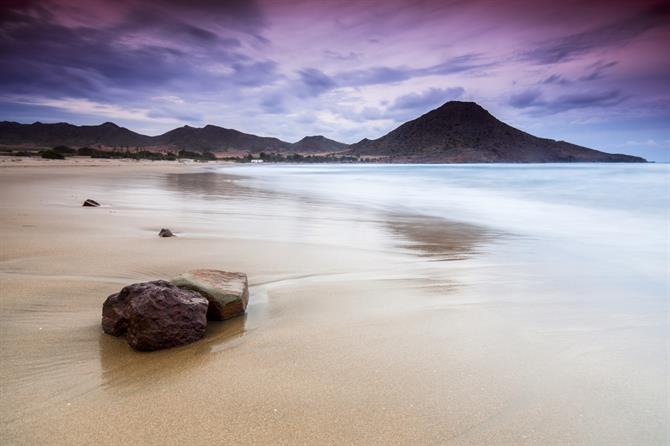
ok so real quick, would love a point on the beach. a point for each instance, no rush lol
(366, 324)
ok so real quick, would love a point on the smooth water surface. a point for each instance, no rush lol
(581, 253)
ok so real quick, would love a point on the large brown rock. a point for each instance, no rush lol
(155, 315)
(114, 321)
(227, 293)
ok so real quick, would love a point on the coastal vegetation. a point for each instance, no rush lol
(62, 152)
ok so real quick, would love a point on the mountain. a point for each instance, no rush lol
(49, 135)
(456, 132)
(208, 138)
(463, 132)
(318, 144)
(213, 138)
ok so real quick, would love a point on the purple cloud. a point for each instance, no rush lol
(426, 100)
(534, 99)
(616, 33)
(315, 81)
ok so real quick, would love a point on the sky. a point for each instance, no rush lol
(595, 73)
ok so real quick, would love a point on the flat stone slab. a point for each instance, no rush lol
(227, 292)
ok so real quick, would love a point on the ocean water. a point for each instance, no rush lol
(612, 213)
(579, 254)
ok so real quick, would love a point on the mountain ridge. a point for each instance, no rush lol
(108, 134)
(456, 132)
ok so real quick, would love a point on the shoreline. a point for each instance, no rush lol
(36, 162)
(357, 331)
(49, 377)
(23, 162)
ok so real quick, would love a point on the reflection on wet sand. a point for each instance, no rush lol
(437, 238)
(123, 368)
(208, 185)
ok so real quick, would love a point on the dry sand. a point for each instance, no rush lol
(354, 334)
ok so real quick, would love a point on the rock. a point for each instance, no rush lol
(155, 315)
(91, 203)
(165, 233)
(227, 293)
(114, 320)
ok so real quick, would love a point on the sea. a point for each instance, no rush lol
(575, 256)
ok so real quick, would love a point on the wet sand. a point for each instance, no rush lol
(360, 328)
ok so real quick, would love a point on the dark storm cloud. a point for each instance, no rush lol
(612, 34)
(253, 73)
(147, 20)
(598, 70)
(594, 72)
(273, 104)
(528, 98)
(407, 106)
(245, 12)
(316, 82)
(145, 49)
(571, 101)
(244, 15)
(384, 75)
(534, 100)
(555, 79)
(430, 98)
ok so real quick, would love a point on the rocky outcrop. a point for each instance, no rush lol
(165, 233)
(155, 315)
(227, 292)
(90, 203)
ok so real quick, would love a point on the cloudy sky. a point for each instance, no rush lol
(595, 73)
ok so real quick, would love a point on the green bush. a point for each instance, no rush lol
(64, 150)
(205, 156)
(86, 151)
(51, 155)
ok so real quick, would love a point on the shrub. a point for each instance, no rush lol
(64, 150)
(86, 151)
(52, 155)
(197, 155)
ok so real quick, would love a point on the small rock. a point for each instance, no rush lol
(227, 293)
(155, 315)
(91, 203)
(165, 233)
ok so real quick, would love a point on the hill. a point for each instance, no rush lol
(464, 132)
(49, 135)
(209, 138)
(318, 144)
(214, 138)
